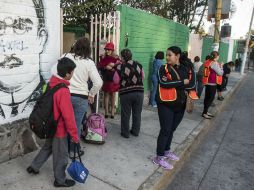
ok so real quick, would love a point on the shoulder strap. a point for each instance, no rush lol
(57, 87)
(177, 75)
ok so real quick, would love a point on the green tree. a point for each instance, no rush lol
(77, 12)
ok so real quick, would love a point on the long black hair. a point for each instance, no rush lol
(184, 60)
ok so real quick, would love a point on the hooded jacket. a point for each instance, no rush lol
(63, 107)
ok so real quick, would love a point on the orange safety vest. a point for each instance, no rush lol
(168, 94)
(207, 67)
(192, 93)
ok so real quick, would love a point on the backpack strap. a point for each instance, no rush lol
(53, 90)
(57, 87)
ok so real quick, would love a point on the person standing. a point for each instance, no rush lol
(197, 64)
(130, 75)
(107, 65)
(226, 72)
(63, 112)
(212, 77)
(200, 74)
(86, 70)
(174, 79)
(158, 61)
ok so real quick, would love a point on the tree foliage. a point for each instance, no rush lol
(77, 12)
(187, 12)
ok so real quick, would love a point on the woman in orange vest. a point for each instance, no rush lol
(174, 79)
(212, 77)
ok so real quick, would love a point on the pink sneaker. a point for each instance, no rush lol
(171, 155)
(160, 161)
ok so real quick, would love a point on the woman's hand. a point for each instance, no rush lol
(186, 81)
(90, 99)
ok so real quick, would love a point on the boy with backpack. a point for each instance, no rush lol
(64, 116)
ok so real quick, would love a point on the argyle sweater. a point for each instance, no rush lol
(131, 77)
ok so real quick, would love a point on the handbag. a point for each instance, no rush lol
(76, 169)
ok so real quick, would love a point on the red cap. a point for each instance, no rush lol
(110, 46)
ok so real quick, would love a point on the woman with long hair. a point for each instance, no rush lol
(175, 79)
(85, 70)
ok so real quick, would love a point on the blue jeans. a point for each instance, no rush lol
(153, 92)
(80, 106)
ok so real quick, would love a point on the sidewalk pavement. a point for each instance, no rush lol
(121, 164)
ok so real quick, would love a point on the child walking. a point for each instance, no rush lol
(62, 109)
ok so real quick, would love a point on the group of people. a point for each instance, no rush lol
(82, 77)
(174, 82)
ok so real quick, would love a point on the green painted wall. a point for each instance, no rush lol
(223, 51)
(207, 47)
(148, 34)
(234, 50)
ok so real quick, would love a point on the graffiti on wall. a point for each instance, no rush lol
(24, 35)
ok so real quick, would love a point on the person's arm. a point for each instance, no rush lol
(215, 66)
(67, 112)
(143, 74)
(163, 81)
(193, 80)
(94, 76)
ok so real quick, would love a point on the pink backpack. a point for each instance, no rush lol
(94, 130)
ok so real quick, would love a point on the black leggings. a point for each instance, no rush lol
(210, 92)
(169, 121)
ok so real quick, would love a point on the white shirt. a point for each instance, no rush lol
(197, 65)
(85, 70)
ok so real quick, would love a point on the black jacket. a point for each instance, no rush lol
(184, 72)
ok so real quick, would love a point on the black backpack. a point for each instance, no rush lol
(41, 119)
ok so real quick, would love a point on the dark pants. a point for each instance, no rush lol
(169, 121)
(224, 82)
(58, 147)
(131, 103)
(210, 92)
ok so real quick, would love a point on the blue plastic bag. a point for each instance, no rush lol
(77, 170)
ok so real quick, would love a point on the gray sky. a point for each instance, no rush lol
(241, 19)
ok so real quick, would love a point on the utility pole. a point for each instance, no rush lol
(217, 25)
(247, 44)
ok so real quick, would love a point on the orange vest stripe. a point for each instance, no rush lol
(193, 95)
(205, 79)
(167, 94)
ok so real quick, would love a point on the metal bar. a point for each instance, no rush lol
(91, 36)
(96, 37)
(105, 26)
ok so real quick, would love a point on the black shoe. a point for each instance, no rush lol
(31, 170)
(81, 152)
(106, 116)
(68, 183)
(112, 117)
(125, 136)
(220, 98)
(134, 134)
